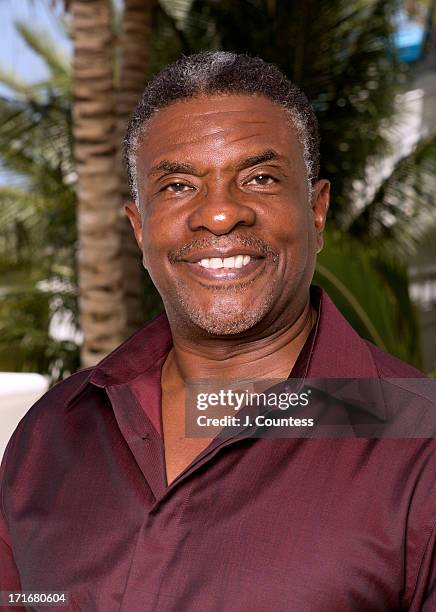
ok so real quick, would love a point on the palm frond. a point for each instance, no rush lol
(36, 233)
(403, 207)
(17, 85)
(37, 216)
(45, 48)
(36, 139)
(25, 345)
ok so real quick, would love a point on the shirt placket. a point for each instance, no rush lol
(142, 438)
(161, 529)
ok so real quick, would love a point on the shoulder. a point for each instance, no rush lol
(389, 366)
(48, 409)
(62, 393)
(408, 396)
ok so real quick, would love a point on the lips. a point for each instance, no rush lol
(217, 262)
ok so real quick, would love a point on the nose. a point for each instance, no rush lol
(220, 213)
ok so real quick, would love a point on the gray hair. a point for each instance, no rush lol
(221, 72)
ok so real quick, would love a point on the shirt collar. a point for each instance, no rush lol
(136, 355)
(332, 350)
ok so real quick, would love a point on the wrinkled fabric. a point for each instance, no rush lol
(251, 525)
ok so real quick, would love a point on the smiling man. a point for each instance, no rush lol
(106, 498)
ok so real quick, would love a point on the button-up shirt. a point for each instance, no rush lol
(251, 525)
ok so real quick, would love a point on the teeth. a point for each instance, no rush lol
(228, 262)
(215, 263)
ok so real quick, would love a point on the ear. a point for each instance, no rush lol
(320, 206)
(135, 219)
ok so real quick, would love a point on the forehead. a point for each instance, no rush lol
(218, 128)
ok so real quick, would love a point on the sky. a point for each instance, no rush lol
(14, 55)
(40, 13)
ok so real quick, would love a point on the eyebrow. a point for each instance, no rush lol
(255, 160)
(169, 167)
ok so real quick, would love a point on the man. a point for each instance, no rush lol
(104, 497)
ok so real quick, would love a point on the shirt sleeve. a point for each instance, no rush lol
(9, 577)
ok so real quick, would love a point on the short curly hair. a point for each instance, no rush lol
(222, 72)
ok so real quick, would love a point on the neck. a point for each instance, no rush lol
(270, 357)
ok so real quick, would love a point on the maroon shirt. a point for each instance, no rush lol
(250, 525)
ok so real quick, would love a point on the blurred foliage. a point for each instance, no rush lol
(402, 209)
(37, 216)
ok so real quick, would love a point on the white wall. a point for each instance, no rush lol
(18, 392)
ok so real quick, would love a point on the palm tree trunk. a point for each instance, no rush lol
(102, 306)
(134, 73)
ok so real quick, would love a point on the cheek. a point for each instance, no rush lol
(295, 230)
(299, 241)
(152, 236)
(160, 233)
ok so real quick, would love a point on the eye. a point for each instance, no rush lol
(177, 187)
(262, 180)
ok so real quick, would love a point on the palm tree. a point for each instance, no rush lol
(37, 217)
(111, 291)
(134, 69)
(102, 307)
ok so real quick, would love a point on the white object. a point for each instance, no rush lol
(18, 392)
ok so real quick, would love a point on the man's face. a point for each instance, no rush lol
(228, 232)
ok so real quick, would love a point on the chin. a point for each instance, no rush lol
(225, 317)
(224, 326)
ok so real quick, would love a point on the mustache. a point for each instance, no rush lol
(224, 242)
